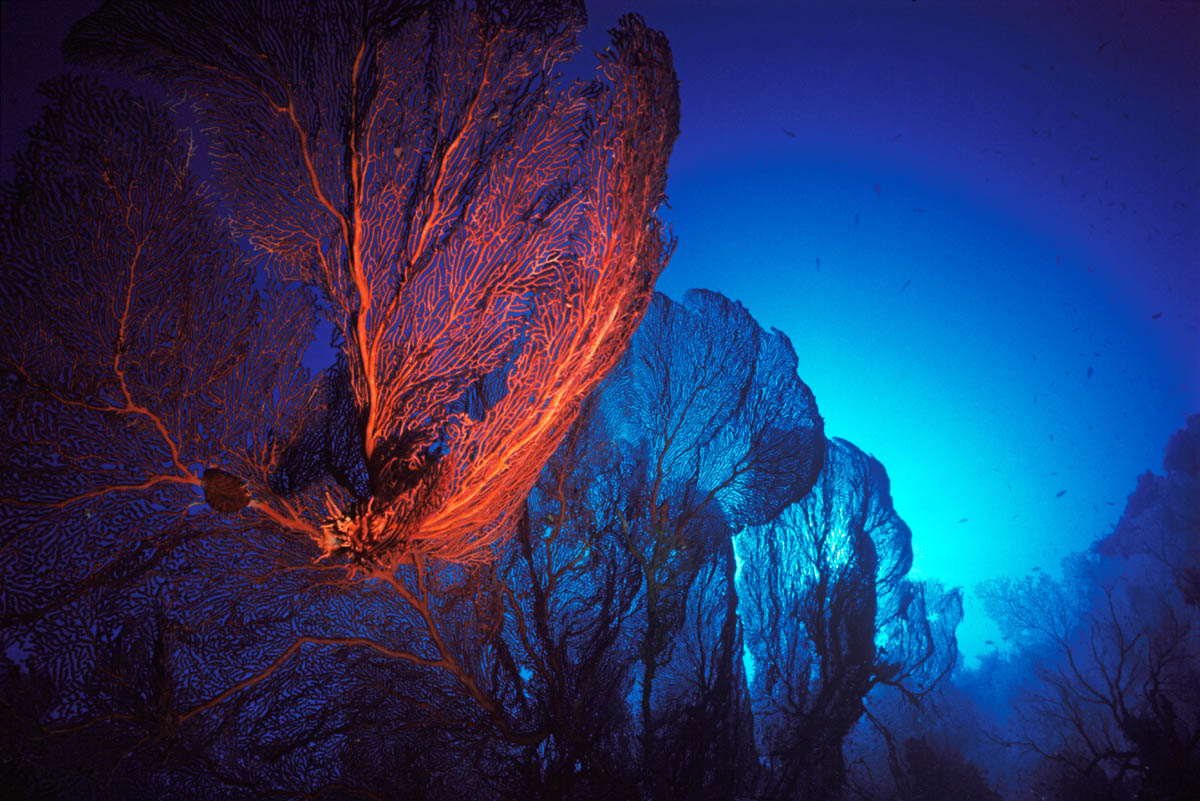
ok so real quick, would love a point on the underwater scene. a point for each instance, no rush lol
(741, 400)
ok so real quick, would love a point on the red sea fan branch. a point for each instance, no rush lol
(590, 289)
(467, 218)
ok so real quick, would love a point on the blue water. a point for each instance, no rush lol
(966, 220)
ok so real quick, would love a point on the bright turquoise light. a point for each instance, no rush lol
(952, 343)
(1034, 156)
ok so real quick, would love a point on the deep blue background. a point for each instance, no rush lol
(1038, 193)
(965, 215)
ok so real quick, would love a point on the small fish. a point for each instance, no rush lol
(1156, 315)
(906, 283)
(878, 191)
(962, 520)
(1060, 493)
(856, 219)
(818, 262)
(919, 211)
(1035, 569)
(1090, 371)
(790, 133)
(1026, 67)
(989, 642)
(1103, 45)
